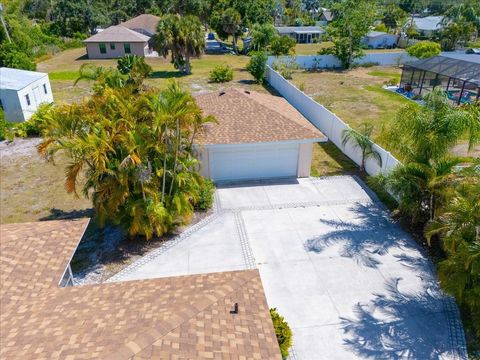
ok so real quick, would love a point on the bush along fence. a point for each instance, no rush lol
(328, 123)
(331, 61)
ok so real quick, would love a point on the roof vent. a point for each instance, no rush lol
(221, 93)
(247, 92)
(235, 309)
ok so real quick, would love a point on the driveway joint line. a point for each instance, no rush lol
(244, 242)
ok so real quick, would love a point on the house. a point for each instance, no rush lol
(257, 136)
(22, 92)
(182, 317)
(115, 42)
(425, 26)
(302, 34)
(326, 17)
(380, 40)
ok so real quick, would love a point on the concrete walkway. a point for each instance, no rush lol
(351, 284)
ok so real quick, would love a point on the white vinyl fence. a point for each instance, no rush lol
(328, 123)
(331, 61)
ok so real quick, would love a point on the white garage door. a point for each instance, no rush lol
(254, 161)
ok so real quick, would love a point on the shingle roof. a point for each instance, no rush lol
(299, 29)
(117, 34)
(428, 23)
(249, 116)
(15, 79)
(186, 317)
(145, 22)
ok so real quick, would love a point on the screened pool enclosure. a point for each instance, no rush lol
(458, 75)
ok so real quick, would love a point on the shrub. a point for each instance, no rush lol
(205, 199)
(391, 82)
(282, 331)
(285, 67)
(257, 66)
(12, 57)
(221, 73)
(424, 49)
(282, 45)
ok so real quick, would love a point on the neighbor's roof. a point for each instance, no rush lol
(373, 34)
(117, 34)
(249, 116)
(15, 79)
(428, 23)
(185, 317)
(327, 14)
(300, 29)
(146, 22)
(461, 66)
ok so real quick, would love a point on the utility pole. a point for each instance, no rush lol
(3, 23)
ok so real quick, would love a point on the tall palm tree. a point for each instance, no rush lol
(183, 37)
(362, 141)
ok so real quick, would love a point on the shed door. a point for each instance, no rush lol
(254, 161)
(37, 95)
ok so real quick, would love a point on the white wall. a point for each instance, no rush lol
(136, 48)
(15, 103)
(328, 123)
(331, 61)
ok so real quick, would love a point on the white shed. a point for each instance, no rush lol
(22, 91)
(380, 40)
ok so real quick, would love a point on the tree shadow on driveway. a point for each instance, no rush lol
(400, 325)
(371, 234)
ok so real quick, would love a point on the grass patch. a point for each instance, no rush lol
(387, 75)
(64, 75)
(328, 160)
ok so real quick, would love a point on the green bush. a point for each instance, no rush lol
(205, 200)
(424, 49)
(12, 57)
(221, 73)
(282, 45)
(282, 331)
(257, 66)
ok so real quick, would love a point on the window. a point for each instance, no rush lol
(127, 49)
(112, 46)
(27, 98)
(103, 48)
(1, 105)
(45, 88)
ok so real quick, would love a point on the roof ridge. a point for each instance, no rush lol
(276, 111)
(152, 334)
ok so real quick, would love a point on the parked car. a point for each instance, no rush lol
(473, 51)
(211, 36)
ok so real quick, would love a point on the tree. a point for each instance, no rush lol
(282, 45)
(257, 66)
(183, 36)
(454, 33)
(283, 332)
(12, 57)
(231, 24)
(134, 150)
(362, 141)
(424, 49)
(352, 21)
(262, 36)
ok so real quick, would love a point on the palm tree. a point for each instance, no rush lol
(231, 21)
(183, 37)
(362, 141)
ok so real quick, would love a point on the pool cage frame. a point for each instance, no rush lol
(459, 78)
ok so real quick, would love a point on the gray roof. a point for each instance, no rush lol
(428, 23)
(378, 33)
(117, 34)
(327, 14)
(299, 29)
(15, 79)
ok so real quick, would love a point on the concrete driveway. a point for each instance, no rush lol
(351, 283)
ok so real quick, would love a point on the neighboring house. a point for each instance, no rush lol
(380, 40)
(258, 136)
(115, 42)
(425, 26)
(22, 92)
(326, 17)
(301, 34)
(145, 24)
(182, 317)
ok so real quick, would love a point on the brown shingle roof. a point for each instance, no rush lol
(249, 116)
(186, 317)
(117, 34)
(146, 22)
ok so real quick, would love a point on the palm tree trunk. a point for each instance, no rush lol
(177, 144)
(235, 44)
(432, 207)
(164, 169)
(188, 67)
